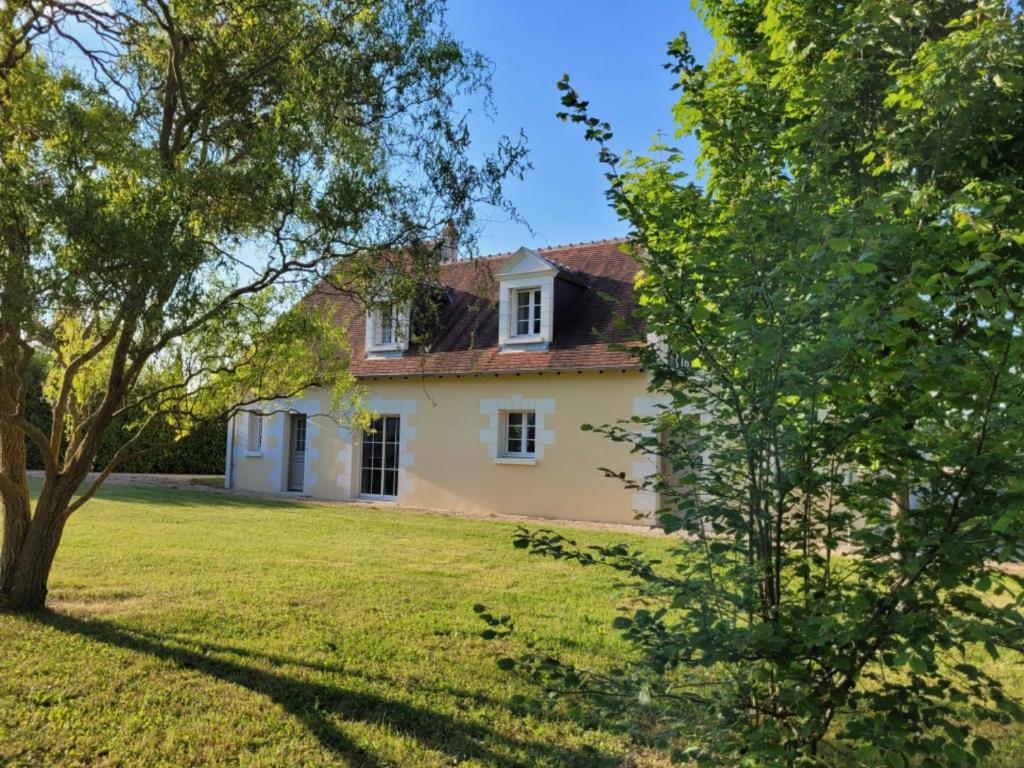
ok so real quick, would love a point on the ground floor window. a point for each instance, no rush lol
(255, 433)
(380, 457)
(520, 433)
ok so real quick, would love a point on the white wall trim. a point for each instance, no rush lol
(647, 502)
(405, 410)
(492, 408)
(400, 333)
(507, 340)
(346, 478)
(309, 408)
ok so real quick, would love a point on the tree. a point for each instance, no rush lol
(838, 312)
(175, 174)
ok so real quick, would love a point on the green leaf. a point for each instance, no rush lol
(895, 759)
(982, 747)
(984, 297)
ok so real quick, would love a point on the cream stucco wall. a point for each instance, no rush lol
(450, 431)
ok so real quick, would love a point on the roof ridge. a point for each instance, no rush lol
(559, 247)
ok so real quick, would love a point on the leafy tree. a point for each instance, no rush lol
(837, 302)
(174, 174)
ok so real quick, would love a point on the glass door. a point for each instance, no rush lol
(380, 458)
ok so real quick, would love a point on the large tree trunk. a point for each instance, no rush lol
(30, 537)
(28, 558)
(31, 571)
(17, 518)
(14, 498)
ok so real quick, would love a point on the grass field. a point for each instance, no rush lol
(190, 628)
(195, 629)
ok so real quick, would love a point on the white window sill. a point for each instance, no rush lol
(384, 353)
(526, 461)
(523, 344)
(253, 453)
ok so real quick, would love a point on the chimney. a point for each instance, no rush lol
(449, 243)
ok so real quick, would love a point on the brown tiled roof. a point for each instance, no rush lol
(466, 337)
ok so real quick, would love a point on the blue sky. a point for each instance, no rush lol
(614, 52)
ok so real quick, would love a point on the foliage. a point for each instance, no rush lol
(174, 176)
(162, 448)
(837, 307)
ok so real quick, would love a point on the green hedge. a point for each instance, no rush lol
(201, 453)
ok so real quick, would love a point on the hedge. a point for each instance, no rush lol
(200, 453)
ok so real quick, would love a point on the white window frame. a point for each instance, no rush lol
(382, 417)
(525, 270)
(254, 436)
(526, 428)
(387, 339)
(535, 312)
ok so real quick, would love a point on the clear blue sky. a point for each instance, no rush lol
(614, 52)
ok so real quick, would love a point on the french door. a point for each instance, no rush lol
(380, 458)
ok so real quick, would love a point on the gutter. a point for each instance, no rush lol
(506, 372)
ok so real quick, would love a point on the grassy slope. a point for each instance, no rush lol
(193, 629)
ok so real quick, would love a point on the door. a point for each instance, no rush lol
(380, 458)
(297, 453)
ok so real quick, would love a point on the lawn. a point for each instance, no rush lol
(191, 628)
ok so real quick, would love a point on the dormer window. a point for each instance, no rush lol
(386, 326)
(387, 330)
(528, 312)
(531, 289)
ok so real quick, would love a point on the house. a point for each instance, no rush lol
(487, 417)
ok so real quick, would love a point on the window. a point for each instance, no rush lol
(387, 329)
(520, 433)
(527, 320)
(386, 325)
(380, 457)
(255, 433)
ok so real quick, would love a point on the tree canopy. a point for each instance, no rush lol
(836, 306)
(173, 176)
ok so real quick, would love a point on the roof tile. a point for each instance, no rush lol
(466, 339)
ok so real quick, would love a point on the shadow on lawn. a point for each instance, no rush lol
(314, 704)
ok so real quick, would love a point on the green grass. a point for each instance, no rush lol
(188, 628)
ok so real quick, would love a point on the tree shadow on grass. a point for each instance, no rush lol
(519, 706)
(316, 704)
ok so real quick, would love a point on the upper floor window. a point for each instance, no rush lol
(387, 329)
(255, 429)
(528, 312)
(386, 326)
